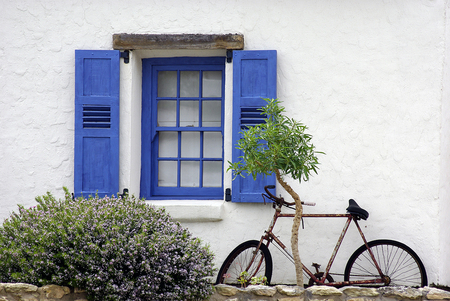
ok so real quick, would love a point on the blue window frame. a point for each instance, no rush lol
(182, 128)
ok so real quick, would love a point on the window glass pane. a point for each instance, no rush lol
(167, 84)
(189, 113)
(212, 145)
(167, 173)
(190, 144)
(190, 174)
(211, 113)
(189, 83)
(167, 113)
(168, 144)
(212, 84)
(212, 173)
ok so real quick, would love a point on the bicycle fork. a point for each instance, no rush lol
(270, 237)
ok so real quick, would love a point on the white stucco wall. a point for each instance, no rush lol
(444, 196)
(365, 76)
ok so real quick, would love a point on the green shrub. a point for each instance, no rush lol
(114, 248)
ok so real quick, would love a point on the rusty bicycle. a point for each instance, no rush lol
(376, 263)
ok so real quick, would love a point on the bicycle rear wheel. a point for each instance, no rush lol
(397, 261)
(240, 260)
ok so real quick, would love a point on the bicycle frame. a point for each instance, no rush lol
(271, 238)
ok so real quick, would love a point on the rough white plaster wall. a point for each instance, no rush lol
(444, 196)
(365, 76)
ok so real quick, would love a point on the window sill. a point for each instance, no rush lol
(192, 210)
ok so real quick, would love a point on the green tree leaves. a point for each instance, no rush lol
(281, 143)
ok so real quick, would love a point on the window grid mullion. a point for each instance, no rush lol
(200, 100)
(179, 161)
(200, 123)
(201, 159)
(177, 124)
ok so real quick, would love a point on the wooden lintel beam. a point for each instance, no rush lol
(125, 41)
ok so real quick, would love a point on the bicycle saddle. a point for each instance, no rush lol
(354, 209)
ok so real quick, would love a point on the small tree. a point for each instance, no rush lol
(280, 146)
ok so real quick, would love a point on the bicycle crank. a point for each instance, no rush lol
(319, 276)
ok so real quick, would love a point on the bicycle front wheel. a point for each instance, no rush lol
(242, 259)
(398, 262)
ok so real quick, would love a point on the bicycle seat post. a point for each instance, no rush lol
(317, 266)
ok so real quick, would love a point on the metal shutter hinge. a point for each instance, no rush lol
(229, 56)
(126, 56)
(228, 194)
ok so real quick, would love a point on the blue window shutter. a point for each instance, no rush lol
(97, 75)
(254, 78)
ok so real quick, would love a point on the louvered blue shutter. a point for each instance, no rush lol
(254, 78)
(96, 122)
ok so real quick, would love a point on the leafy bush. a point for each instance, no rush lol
(114, 248)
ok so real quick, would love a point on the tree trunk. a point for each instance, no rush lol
(295, 226)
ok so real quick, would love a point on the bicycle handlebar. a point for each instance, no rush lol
(281, 200)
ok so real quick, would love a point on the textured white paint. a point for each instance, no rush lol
(365, 76)
(444, 208)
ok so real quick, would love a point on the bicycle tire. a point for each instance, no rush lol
(239, 259)
(396, 260)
